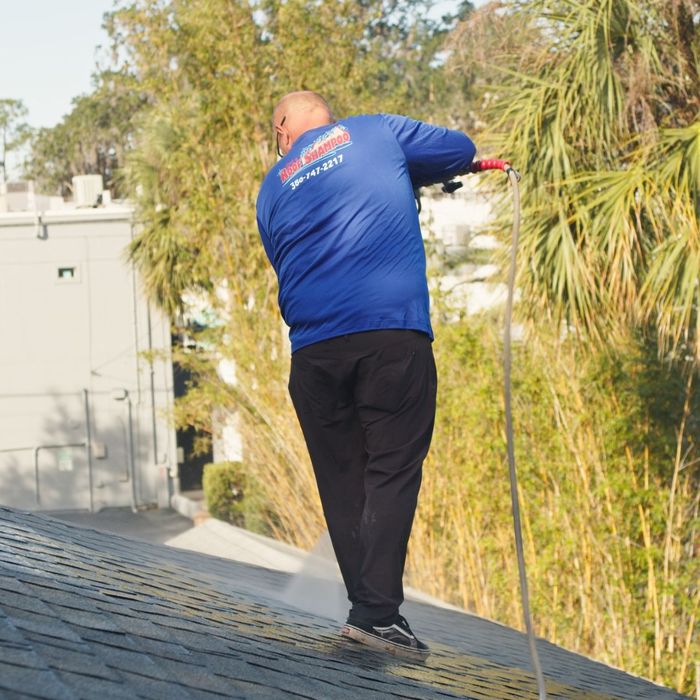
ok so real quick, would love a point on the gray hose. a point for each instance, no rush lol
(515, 501)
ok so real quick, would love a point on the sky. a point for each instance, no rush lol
(48, 52)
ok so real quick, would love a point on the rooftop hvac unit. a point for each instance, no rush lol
(18, 186)
(17, 196)
(87, 190)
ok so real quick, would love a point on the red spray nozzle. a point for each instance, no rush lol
(489, 164)
(478, 166)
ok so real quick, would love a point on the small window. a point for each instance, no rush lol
(66, 273)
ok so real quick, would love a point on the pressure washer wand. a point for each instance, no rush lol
(514, 177)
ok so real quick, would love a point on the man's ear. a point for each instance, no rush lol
(285, 140)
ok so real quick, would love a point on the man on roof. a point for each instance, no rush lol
(339, 224)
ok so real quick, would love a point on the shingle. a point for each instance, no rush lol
(167, 650)
(226, 666)
(25, 657)
(194, 676)
(18, 615)
(50, 626)
(151, 607)
(59, 593)
(155, 688)
(39, 582)
(10, 583)
(102, 638)
(198, 694)
(117, 618)
(92, 688)
(85, 618)
(9, 634)
(128, 610)
(24, 600)
(83, 661)
(195, 640)
(134, 662)
(141, 627)
(253, 671)
(255, 691)
(45, 639)
(30, 681)
(19, 654)
(179, 621)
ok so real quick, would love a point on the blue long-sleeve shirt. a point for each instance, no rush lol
(338, 221)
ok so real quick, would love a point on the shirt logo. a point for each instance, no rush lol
(333, 140)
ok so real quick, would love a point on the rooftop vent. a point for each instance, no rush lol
(19, 186)
(87, 190)
(17, 196)
(21, 196)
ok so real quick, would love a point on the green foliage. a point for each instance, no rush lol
(211, 71)
(600, 112)
(608, 447)
(92, 139)
(233, 495)
(14, 131)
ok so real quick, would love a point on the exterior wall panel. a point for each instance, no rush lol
(74, 323)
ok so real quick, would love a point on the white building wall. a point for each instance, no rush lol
(65, 339)
(456, 224)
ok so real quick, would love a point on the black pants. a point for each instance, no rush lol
(366, 405)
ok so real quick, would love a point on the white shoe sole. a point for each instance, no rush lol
(380, 644)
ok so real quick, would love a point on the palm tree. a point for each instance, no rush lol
(598, 103)
(601, 110)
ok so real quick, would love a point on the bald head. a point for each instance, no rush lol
(296, 113)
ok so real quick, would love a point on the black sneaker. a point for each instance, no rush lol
(397, 639)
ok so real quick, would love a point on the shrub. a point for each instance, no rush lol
(235, 496)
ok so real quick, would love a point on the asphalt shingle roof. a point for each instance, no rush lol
(86, 614)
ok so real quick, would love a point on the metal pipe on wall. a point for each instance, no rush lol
(135, 305)
(154, 425)
(88, 447)
(123, 395)
(130, 432)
